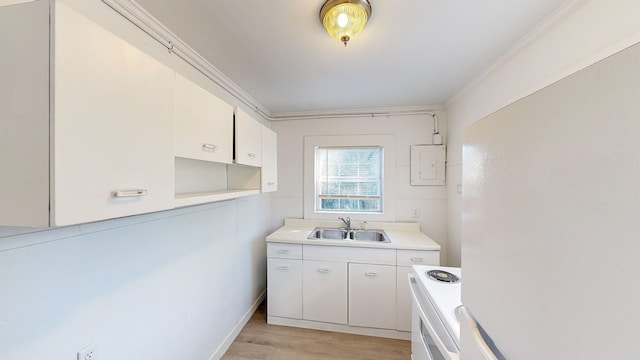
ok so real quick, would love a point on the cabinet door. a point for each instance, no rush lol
(284, 288)
(372, 296)
(112, 127)
(324, 291)
(269, 160)
(203, 124)
(248, 137)
(405, 259)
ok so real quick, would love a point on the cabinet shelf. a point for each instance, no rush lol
(206, 197)
(199, 182)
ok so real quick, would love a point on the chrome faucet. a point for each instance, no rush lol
(346, 222)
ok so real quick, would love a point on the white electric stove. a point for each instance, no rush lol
(436, 293)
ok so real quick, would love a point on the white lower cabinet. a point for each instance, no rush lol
(354, 288)
(324, 291)
(405, 259)
(372, 296)
(284, 297)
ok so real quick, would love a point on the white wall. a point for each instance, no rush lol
(169, 285)
(576, 36)
(409, 130)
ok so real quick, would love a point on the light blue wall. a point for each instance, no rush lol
(168, 285)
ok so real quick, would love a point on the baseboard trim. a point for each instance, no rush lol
(392, 334)
(217, 355)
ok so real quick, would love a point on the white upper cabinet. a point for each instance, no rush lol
(203, 124)
(110, 125)
(269, 160)
(93, 128)
(248, 139)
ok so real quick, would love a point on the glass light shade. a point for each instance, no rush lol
(345, 21)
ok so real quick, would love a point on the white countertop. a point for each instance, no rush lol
(405, 236)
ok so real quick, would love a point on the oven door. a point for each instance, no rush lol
(429, 338)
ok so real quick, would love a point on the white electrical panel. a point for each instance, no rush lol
(428, 165)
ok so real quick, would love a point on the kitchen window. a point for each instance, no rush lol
(349, 174)
(348, 179)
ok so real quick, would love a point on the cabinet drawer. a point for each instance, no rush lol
(284, 251)
(418, 257)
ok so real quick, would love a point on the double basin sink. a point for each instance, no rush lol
(349, 235)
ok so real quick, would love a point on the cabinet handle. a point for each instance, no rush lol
(324, 270)
(371, 274)
(129, 193)
(252, 155)
(283, 251)
(283, 267)
(271, 183)
(209, 147)
(416, 259)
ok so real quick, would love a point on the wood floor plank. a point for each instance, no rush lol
(260, 341)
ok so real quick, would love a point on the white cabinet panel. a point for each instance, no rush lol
(324, 295)
(350, 254)
(372, 296)
(269, 160)
(284, 288)
(203, 123)
(24, 114)
(112, 125)
(403, 299)
(248, 138)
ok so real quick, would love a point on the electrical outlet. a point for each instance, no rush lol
(415, 213)
(88, 353)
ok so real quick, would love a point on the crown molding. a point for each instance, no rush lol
(549, 23)
(137, 15)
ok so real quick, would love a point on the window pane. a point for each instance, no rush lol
(348, 179)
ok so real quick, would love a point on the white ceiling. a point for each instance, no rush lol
(411, 53)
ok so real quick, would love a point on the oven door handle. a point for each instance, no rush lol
(483, 341)
(450, 355)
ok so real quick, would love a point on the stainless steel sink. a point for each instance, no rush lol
(372, 235)
(334, 234)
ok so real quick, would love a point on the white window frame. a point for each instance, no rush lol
(387, 142)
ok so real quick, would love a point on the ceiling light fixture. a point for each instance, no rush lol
(345, 19)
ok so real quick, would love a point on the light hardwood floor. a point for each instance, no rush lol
(258, 340)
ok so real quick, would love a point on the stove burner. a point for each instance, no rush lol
(444, 276)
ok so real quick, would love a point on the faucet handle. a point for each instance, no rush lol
(346, 221)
